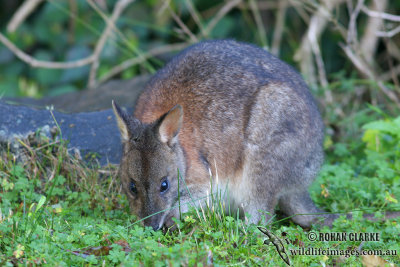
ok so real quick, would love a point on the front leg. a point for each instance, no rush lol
(259, 211)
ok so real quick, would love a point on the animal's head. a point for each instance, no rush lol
(149, 167)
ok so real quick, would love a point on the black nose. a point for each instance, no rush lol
(153, 222)
(155, 226)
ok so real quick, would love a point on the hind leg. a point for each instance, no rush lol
(299, 205)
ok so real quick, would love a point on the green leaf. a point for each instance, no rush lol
(384, 126)
(390, 198)
(370, 137)
(42, 200)
(397, 121)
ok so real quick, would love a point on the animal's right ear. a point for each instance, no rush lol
(170, 125)
(122, 121)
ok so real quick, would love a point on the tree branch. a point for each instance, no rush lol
(92, 59)
(388, 34)
(395, 71)
(260, 26)
(381, 15)
(22, 13)
(195, 15)
(184, 28)
(309, 46)
(352, 32)
(367, 72)
(44, 64)
(118, 9)
(220, 14)
(279, 26)
(369, 39)
(137, 60)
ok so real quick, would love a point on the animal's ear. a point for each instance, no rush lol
(170, 125)
(122, 121)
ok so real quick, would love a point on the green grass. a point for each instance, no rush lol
(56, 211)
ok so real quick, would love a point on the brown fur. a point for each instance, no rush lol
(232, 109)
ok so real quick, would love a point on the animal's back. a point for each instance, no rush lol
(222, 72)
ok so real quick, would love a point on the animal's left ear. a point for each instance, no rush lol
(122, 121)
(170, 125)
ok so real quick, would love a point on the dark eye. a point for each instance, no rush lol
(132, 187)
(164, 185)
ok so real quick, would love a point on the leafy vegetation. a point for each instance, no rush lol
(56, 211)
